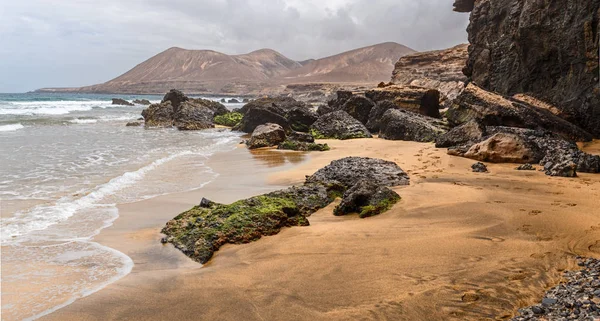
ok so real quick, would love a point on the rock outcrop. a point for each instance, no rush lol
(144, 102)
(546, 49)
(374, 122)
(398, 124)
(121, 102)
(192, 116)
(339, 125)
(439, 69)
(359, 107)
(367, 199)
(285, 111)
(490, 109)
(420, 100)
(158, 115)
(505, 148)
(469, 132)
(266, 135)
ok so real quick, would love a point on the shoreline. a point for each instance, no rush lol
(320, 271)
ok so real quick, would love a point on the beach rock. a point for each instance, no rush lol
(505, 148)
(324, 109)
(479, 168)
(374, 123)
(303, 146)
(223, 100)
(279, 105)
(134, 124)
(301, 137)
(359, 107)
(350, 170)
(121, 102)
(420, 100)
(159, 115)
(144, 102)
(206, 203)
(469, 132)
(301, 118)
(397, 124)
(439, 69)
(217, 108)
(526, 167)
(192, 116)
(339, 125)
(275, 110)
(246, 100)
(367, 199)
(266, 136)
(337, 103)
(176, 97)
(233, 101)
(546, 49)
(257, 116)
(490, 109)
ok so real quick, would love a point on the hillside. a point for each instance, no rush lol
(207, 71)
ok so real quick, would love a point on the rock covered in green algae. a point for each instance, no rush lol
(303, 146)
(367, 199)
(229, 119)
(201, 231)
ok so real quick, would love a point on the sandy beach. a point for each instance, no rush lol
(459, 245)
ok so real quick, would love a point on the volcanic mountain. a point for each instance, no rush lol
(207, 71)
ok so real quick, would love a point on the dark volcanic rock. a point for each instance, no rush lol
(122, 102)
(233, 101)
(342, 97)
(420, 100)
(301, 137)
(350, 170)
(339, 125)
(464, 5)
(193, 116)
(526, 167)
(479, 168)
(374, 123)
(158, 115)
(280, 105)
(134, 124)
(217, 108)
(266, 135)
(359, 107)
(176, 97)
(399, 124)
(301, 118)
(547, 49)
(367, 199)
(257, 116)
(303, 146)
(490, 109)
(470, 132)
(144, 102)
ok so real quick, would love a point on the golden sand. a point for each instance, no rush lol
(458, 246)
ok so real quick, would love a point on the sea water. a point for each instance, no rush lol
(66, 162)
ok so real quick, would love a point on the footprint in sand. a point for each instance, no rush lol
(524, 228)
(490, 238)
(572, 204)
(535, 212)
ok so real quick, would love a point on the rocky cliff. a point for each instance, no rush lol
(548, 49)
(439, 69)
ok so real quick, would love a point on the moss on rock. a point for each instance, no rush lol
(229, 119)
(303, 146)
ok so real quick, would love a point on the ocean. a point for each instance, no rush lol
(67, 161)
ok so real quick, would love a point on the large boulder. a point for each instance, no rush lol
(266, 136)
(420, 100)
(337, 103)
(217, 108)
(347, 172)
(284, 111)
(374, 122)
(121, 102)
(546, 48)
(193, 116)
(359, 107)
(339, 125)
(158, 115)
(505, 148)
(491, 109)
(176, 97)
(399, 124)
(301, 118)
(367, 199)
(257, 116)
(280, 105)
(469, 132)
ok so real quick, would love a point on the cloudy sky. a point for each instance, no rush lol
(59, 43)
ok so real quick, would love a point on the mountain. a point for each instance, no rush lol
(207, 71)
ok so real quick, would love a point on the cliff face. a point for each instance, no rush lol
(548, 49)
(439, 69)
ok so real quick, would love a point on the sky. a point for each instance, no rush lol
(72, 43)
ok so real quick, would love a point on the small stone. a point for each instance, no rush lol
(164, 240)
(479, 168)
(538, 310)
(548, 301)
(470, 297)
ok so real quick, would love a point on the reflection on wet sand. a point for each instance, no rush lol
(275, 158)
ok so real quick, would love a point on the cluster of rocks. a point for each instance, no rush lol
(577, 298)
(178, 110)
(123, 102)
(361, 182)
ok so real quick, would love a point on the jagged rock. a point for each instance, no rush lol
(275, 110)
(547, 49)
(420, 100)
(367, 199)
(490, 109)
(479, 168)
(206, 203)
(280, 105)
(217, 108)
(350, 170)
(133, 124)
(193, 116)
(301, 118)
(359, 107)
(399, 124)
(439, 69)
(266, 135)
(324, 109)
(257, 116)
(564, 168)
(121, 102)
(470, 132)
(176, 97)
(339, 125)
(301, 137)
(505, 148)
(144, 102)
(336, 104)
(526, 167)
(464, 5)
(374, 123)
(159, 115)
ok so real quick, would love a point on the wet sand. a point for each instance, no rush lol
(459, 245)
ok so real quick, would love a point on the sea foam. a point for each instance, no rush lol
(10, 127)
